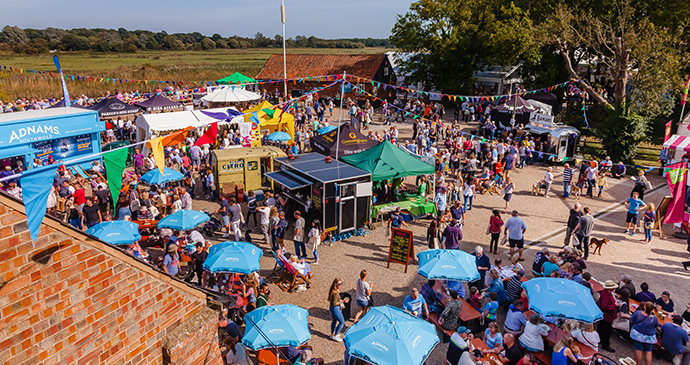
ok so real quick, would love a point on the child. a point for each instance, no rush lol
(474, 298)
(490, 308)
(576, 351)
(601, 182)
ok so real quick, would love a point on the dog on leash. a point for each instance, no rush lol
(598, 243)
(536, 187)
(575, 191)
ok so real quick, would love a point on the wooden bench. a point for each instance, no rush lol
(433, 318)
(542, 357)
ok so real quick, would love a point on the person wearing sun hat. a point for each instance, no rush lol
(459, 343)
(608, 305)
(171, 263)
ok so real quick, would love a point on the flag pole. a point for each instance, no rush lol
(340, 116)
(282, 19)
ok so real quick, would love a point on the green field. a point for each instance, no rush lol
(145, 65)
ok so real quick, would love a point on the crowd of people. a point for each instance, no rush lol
(466, 166)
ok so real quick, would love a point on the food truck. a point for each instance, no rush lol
(562, 139)
(243, 167)
(63, 133)
(337, 194)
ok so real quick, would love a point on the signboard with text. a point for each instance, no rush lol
(401, 247)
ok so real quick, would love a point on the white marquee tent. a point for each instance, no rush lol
(230, 94)
(152, 125)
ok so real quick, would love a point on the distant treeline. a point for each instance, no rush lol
(32, 41)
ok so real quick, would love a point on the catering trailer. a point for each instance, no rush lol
(65, 134)
(337, 194)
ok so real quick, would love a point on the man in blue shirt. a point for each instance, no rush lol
(458, 212)
(415, 304)
(440, 201)
(515, 319)
(674, 339)
(634, 205)
(483, 265)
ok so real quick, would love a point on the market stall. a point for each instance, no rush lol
(386, 161)
(560, 140)
(515, 107)
(229, 95)
(236, 78)
(61, 133)
(336, 193)
(270, 119)
(243, 167)
(348, 142)
(159, 103)
(112, 107)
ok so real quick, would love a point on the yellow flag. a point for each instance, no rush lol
(577, 161)
(158, 153)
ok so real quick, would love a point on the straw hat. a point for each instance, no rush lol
(610, 284)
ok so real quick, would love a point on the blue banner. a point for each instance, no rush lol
(32, 130)
(36, 184)
(65, 93)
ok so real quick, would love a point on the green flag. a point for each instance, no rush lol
(114, 162)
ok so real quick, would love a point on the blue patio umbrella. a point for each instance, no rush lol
(447, 265)
(276, 326)
(390, 336)
(183, 220)
(234, 257)
(279, 136)
(155, 177)
(116, 232)
(562, 298)
(326, 129)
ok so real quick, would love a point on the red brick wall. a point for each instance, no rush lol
(71, 300)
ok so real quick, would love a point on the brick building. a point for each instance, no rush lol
(70, 299)
(375, 67)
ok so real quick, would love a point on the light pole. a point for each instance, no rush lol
(282, 19)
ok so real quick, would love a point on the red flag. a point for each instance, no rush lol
(676, 175)
(210, 136)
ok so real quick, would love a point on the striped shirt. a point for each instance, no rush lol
(567, 175)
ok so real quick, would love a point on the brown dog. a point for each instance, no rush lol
(598, 243)
(575, 191)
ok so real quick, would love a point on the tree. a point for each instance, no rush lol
(641, 59)
(71, 42)
(207, 43)
(171, 43)
(152, 43)
(14, 35)
(449, 40)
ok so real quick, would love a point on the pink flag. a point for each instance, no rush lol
(676, 182)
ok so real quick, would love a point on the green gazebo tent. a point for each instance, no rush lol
(386, 161)
(236, 78)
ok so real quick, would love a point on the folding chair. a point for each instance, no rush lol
(292, 277)
(278, 268)
(270, 357)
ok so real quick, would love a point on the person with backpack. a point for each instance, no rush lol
(396, 219)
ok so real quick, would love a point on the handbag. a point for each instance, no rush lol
(504, 240)
(622, 324)
(647, 185)
(488, 229)
(370, 302)
(649, 224)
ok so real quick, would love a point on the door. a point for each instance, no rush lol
(348, 207)
(562, 147)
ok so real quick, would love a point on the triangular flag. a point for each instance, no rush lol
(158, 152)
(210, 136)
(176, 138)
(36, 184)
(115, 162)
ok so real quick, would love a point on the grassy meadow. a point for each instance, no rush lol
(144, 65)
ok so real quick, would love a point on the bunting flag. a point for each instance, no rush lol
(115, 162)
(667, 133)
(158, 152)
(36, 184)
(210, 136)
(685, 94)
(65, 93)
(676, 182)
(176, 138)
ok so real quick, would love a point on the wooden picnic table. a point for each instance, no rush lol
(556, 334)
(597, 287)
(150, 224)
(634, 304)
(477, 343)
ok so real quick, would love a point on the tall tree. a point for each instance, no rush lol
(449, 40)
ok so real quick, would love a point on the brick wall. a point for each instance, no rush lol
(195, 341)
(68, 299)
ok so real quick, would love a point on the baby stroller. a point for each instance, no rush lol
(599, 359)
(214, 224)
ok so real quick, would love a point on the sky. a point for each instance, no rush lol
(321, 18)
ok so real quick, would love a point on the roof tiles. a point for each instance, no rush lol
(303, 65)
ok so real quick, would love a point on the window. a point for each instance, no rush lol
(385, 71)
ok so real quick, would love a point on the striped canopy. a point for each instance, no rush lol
(677, 142)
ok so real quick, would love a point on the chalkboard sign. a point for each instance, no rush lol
(402, 247)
